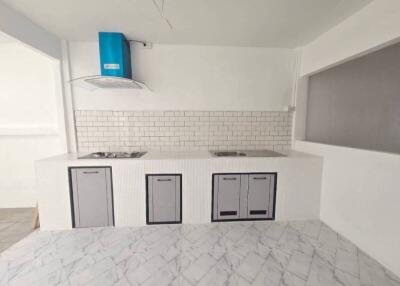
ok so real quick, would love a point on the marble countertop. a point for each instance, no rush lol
(177, 155)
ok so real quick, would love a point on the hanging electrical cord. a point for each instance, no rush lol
(161, 10)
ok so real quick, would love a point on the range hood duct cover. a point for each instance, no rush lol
(115, 55)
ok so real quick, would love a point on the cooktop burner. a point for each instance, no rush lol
(113, 155)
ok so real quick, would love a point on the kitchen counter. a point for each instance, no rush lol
(175, 155)
(298, 184)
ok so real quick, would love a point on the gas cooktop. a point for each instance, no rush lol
(113, 155)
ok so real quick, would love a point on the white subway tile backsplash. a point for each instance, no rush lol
(182, 130)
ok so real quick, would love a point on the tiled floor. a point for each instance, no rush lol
(246, 253)
(14, 225)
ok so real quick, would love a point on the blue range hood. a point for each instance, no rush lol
(115, 65)
(115, 55)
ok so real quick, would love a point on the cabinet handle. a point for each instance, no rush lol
(229, 179)
(258, 212)
(164, 180)
(224, 213)
(259, 178)
(91, 172)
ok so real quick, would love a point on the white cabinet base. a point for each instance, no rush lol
(298, 188)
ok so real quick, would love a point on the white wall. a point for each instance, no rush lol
(30, 120)
(193, 78)
(374, 26)
(360, 188)
(360, 198)
(27, 87)
(24, 30)
(300, 114)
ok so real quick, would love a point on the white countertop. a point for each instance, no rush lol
(176, 155)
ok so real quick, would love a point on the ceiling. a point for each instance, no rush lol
(4, 38)
(268, 23)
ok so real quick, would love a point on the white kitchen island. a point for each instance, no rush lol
(297, 195)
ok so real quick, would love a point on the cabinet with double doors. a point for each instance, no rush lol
(243, 196)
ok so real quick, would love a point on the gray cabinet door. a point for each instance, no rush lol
(227, 197)
(259, 197)
(164, 199)
(92, 197)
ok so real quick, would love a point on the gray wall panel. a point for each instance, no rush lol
(357, 104)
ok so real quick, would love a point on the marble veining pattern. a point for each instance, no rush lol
(299, 253)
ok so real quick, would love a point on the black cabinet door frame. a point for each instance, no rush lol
(147, 199)
(275, 174)
(71, 198)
